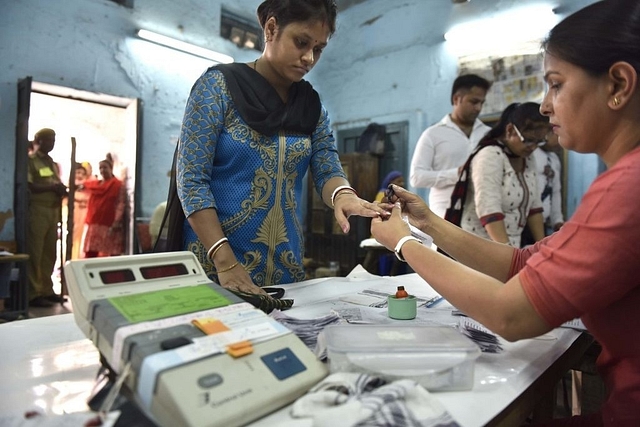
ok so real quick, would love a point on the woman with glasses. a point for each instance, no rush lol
(496, 195)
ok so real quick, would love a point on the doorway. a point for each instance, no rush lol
(394, 155)
(98, 124)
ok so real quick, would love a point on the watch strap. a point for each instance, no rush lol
(401, 242)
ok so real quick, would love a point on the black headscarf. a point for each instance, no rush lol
(261, 107)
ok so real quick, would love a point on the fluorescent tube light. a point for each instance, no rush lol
(501, 32)
(184, 47)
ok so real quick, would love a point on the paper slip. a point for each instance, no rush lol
(217, 343)
(378, 298)
(362, 299)
(574, 324)
(483, 337)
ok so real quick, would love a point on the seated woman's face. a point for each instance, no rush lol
(523, 142)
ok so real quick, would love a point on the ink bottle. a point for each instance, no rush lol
(401, 293)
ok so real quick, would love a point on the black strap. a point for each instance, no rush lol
(170, 235)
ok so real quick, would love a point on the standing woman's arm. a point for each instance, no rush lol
(201, 127)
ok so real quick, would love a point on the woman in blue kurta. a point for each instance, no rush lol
(249, 134)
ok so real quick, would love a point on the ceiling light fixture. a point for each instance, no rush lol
(184, 47)
(501, 32)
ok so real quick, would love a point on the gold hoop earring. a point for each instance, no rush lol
(616, 101)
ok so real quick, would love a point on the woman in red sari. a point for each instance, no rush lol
(104, 235)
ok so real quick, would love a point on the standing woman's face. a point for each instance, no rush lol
(295, 49)
(105, 170)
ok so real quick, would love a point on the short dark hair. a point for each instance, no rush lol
(467, 81)
(288, 11)
(597, 36)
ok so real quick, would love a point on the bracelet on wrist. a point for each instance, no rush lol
(401, 242)
(232, 266)
(339, 189)
(216, 246)
(213, 254)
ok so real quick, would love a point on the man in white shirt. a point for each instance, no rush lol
(444, 147)
(548, 170)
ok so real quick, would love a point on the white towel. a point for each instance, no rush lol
(351, 399)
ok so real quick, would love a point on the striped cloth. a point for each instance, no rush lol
(351, 399)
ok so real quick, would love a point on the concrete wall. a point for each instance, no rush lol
(91, 45)
(387, 62)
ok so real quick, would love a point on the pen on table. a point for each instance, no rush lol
(433, 301)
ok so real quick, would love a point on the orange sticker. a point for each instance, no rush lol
(210, 326)
(239, 349)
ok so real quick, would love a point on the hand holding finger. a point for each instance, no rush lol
(348, 206)
(389, 231)
(413, 206)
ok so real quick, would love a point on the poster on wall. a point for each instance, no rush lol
(516, 78)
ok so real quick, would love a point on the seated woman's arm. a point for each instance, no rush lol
(475, 281)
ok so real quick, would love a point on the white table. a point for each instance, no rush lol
(48, 364)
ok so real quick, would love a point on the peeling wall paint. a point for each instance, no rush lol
(386, 60)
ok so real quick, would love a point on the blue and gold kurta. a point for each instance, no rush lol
(253, 181)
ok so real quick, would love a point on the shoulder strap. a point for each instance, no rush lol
(170, 235)
(453, 213)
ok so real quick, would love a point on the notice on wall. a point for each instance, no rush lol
(516, 78)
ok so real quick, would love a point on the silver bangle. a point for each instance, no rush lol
(401, 242)
(216, 245)
(339, 189)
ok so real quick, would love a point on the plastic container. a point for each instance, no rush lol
(438, 357)
(404, 308)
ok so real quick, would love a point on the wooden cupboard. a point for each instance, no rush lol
(324, 239)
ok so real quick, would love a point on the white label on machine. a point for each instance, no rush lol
(125, 331)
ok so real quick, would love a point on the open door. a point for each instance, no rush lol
(101, 123)
(20, 201)
(19, 300)
(132, 139)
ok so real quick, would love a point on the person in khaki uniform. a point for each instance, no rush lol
(45, 201)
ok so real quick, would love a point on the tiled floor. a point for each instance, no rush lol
(48, 311)
(34, 312)
(51, 311)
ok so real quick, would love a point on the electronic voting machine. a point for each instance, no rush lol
(191, 352)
